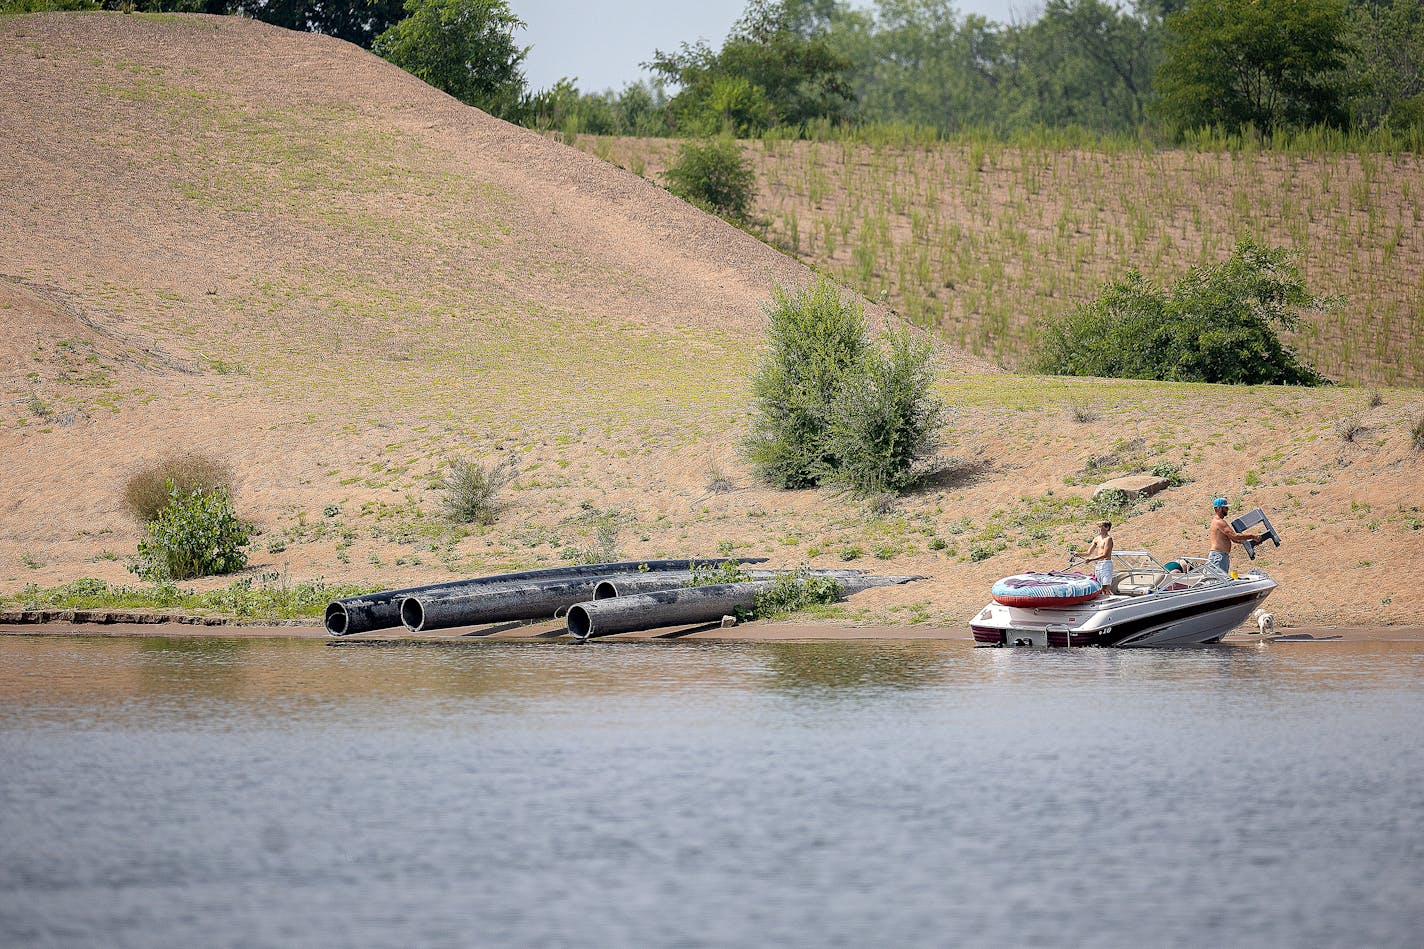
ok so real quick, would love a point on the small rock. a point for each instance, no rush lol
(728, 621)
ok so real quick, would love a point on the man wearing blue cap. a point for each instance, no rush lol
(1222, 536)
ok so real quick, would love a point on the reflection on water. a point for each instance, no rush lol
(172, 792)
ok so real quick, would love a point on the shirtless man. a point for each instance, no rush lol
(1100, 550)
(1222, 537)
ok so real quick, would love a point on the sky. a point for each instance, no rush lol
(599, 43)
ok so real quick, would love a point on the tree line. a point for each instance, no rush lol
(1154, 68)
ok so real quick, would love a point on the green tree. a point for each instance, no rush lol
(1265, 63)
(1216, 324)
(356, 21)
(1387, 59)
(465, 47)
(776, 67)
(918, 61)
(1086, 63)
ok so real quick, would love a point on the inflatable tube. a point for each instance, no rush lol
(1045, 589)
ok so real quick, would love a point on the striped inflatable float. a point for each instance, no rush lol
(1045, 589)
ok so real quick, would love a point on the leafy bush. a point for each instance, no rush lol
(196, 535)
(793, 592)
(832, 407)
(472, 490)
(714, 175)
(1173, 474)
(1216, 324)
(150, 490)
(886, 419)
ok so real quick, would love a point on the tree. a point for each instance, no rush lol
(465, 47)
(1216, 324)
(356, 21)
(1087, 63)
(775, 68)
(1387, 57)
(1265, 63)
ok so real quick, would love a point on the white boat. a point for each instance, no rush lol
(1184, 602)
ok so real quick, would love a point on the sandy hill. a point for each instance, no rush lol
(276, 249)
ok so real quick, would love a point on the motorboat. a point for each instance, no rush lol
(1183, 602)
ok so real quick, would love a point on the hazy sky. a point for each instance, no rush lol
(600, 43)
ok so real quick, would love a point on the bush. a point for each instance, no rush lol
(714, 175)
(472, 490)
(886, 420)
(793, 592)
(1349, 428)
(1216, 324)
(150, 490)
(196, 534)
(1416, 434)
(832, 407)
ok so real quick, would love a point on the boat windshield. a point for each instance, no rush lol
(1136, 572)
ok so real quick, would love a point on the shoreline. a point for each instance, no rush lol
(553, 632)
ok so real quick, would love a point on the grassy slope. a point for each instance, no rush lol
(277, 249)
(985, 242)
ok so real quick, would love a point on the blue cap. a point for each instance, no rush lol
(1219, 502)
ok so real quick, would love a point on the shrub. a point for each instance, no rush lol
(1078, 412)
(603, 545)
(472, 490)
(886, 421)
(1349, 428)
(833, 407)
(196, 534)
(151, 489)
(714, 175)
(816, 339)
(1216, 324)
(1416, 434)
(793, 592)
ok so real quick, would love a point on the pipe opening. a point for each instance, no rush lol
(580, 625)
(605, 590)
(412, 614)
(337, 619)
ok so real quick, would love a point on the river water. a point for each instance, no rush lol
(162, 792)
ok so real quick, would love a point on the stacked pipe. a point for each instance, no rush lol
(688, 606)
(360, 614)
(547, 599)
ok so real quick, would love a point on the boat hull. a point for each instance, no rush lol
(1184, 618)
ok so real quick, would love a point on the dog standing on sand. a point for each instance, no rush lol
(1265, 622)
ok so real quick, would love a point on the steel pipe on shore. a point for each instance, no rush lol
(683, 607)
(687, 606)
(371, 611)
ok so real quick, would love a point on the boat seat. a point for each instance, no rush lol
(1137, 582)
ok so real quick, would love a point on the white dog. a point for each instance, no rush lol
(1265, 622)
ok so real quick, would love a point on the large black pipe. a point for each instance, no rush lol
(687, 606)
(544, 599)
(360, 614)
(496, 604)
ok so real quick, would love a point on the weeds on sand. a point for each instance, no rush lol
(273, 596)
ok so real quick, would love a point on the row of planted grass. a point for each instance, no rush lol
(984, 241)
